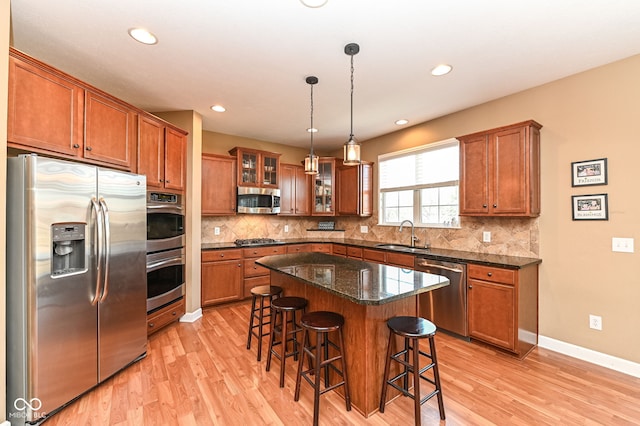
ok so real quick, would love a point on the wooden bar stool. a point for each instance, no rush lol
(322, 323)
(283, 316)
(412, 329)
(264, 292)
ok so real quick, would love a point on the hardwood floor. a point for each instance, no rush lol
(202, 374)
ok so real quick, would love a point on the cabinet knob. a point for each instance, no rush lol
(495, 205)
(174, 313)
(484, 206)
(168, 181)
(489, 274)
(470, 287)
(88, 148)
(151, 325)
(221, 254)
(75, 145)
(239, 265)
(160, 180)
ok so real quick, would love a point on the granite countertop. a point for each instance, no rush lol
(361, 282)
(503, 261)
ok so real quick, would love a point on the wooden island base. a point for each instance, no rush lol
(366, 335)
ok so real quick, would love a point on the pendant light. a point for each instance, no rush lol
(351, 147)
(311, 160)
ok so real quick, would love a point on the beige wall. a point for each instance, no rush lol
(4, 76)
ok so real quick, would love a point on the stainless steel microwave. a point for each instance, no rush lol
(258, 200)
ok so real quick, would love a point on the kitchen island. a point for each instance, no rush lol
(367, 295)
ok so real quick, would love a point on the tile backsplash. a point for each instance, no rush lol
(509, 236)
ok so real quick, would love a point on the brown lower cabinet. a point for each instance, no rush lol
(165, 316)
(221, 276)
(503, 306)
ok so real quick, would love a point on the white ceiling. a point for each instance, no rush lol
(252, 56)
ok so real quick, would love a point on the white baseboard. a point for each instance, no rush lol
(598, 358)
(192, 316)
(5, 423)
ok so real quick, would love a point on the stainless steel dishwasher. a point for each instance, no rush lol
(446, 307)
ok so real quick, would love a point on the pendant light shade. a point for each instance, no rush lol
(311, 160)
(351, 147)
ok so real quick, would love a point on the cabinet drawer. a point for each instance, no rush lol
(400, 259)
(253, 270)
(216, 255)
(263, 251)
(165, 316)
(339, 249)
(355, 252)
(252, 282)
(491, 273)
(321, 248)
(298, 248)
(374, 255)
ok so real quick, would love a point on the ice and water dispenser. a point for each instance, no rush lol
(68, 245)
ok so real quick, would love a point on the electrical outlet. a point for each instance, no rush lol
(624, 245)
(286, 228)
(595, 322)
(216, 230)
(486, 237)
(364, 229)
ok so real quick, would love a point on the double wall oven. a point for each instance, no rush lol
(165, 249)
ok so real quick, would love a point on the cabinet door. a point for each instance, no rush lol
(45, 110)
(110, 131)
(287, 190)
(510, 159)
(323, 189)
(354, 190)
(270, 170)
(151, 151)
(248, 168)
(474, 177)
(302, 188)
(218, 185)
(175, 159)
(491, 312)
(221, 282)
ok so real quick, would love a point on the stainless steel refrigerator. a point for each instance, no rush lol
(76, 280)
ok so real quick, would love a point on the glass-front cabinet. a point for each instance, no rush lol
(324, 188)
(257, 168)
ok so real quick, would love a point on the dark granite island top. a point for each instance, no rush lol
(361, 282)
(366, 295)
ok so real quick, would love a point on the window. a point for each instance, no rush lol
(420, 185)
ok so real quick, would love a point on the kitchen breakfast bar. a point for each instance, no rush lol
(366, 294)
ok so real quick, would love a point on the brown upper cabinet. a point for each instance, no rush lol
(355, 189)
(218, 185)
(294, 191)
(53, 113)
(500, 171)
(257, 168)
(161, 154)
(323, 188)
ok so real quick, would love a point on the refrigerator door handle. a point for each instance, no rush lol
(107, 249)
(99, 244)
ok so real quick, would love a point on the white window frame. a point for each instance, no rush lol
(416, 188)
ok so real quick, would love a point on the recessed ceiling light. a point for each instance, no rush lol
(218, 108)
(312, 130)
(143, 36)
(402, 122)
(314, 3)
(441, 69)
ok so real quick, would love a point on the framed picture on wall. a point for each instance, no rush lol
(590, 207)
(590, 172)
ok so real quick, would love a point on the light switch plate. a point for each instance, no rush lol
(364, 229)
(216, 230)
(624, 245)
(486, 237)
(286, 228)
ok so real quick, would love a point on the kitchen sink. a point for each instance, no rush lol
(402, 247)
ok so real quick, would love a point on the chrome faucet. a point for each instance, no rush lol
(413, 235)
